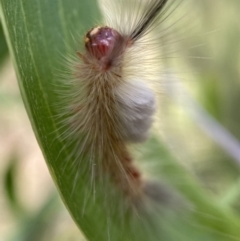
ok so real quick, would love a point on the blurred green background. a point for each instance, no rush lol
(30, 208)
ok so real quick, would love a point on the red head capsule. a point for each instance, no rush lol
(101, 41)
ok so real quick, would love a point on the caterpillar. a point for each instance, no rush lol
(109, 107)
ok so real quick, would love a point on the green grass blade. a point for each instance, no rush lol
(3, 45)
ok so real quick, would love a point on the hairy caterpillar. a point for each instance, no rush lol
(111, 101)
